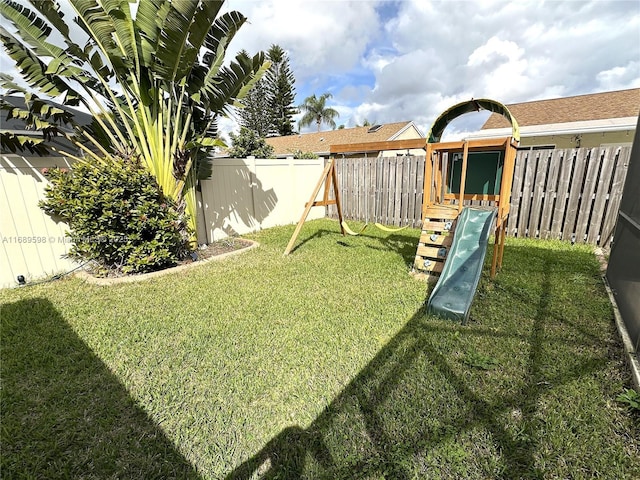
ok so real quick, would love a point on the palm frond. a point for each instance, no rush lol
(125, 35)
(6, 82)
(203, 22)
(223, 30)
(33, 29)
(51, 11)
(35, 71)
(150, 16)
(233, 82)
(99, 25)
(20, 143)
(35, 33)
(172, 41)
(38, 113)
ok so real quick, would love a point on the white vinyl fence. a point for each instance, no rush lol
(33, 244)
(246, 195)
(240, 196)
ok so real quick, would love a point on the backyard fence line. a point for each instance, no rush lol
(240, 196)
(246, 195)
(32, 243)
(569, 194)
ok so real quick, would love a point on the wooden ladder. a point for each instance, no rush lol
(435, 240)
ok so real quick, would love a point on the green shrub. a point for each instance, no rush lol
(118, 216)
(300, 154)
(249, 143)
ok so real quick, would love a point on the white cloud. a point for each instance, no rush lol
(412, 59)
(495, 48)
(320, 36)
(621, 77)
(443, 52)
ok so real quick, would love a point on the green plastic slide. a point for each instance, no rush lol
(452, 296)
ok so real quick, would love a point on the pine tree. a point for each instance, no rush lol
(247, 143)
(256, 114)
(268, 107)
(280, 91)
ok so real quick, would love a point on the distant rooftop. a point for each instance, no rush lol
(319, 142)
(17, 126)
(580, 108)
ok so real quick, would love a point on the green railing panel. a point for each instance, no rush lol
(484, 173)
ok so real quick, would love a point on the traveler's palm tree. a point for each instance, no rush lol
(154, 80)
(316, 110)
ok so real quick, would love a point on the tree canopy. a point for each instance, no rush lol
(255, 114)
(316, 110)
(281, 90)
(249, 143)
(269, 106)
(154, 79)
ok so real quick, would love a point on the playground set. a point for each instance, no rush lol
(454, 236)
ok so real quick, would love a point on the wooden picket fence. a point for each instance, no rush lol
(568, 194)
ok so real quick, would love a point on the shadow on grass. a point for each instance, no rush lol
(302, 240)
(64, 414)
(402, 416)
(403, 244)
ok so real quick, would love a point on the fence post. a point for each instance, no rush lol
(552, 192)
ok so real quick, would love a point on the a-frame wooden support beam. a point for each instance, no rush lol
(329, 179)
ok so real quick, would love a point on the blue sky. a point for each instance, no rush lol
(392, 61)
(412, 59)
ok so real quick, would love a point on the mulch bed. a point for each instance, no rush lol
(202, 255)
(218, 248)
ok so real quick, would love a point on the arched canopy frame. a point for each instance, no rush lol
(473, 105)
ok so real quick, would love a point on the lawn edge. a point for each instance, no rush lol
(87, 277)
(629, 351)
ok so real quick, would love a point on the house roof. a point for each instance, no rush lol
(580, 108)
(17, 126)
(319, 142)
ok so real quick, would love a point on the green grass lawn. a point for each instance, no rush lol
(319, 365)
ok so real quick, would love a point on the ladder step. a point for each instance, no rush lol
(432, 252)
(441, 212)
(428, 265)
(435, 226)
(426, 276)
(436, 240)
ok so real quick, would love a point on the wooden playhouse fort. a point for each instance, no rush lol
(454, 237)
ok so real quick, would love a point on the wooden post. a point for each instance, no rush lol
(496, 248)
(504, 204)
(336, 196)
(438, 172)
(440, 175)
(328, 176)
(463, 175)
(502, 239)
(427, 191)
(506, 183)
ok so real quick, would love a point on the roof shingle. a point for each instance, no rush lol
(319, 142)
(594, 106)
